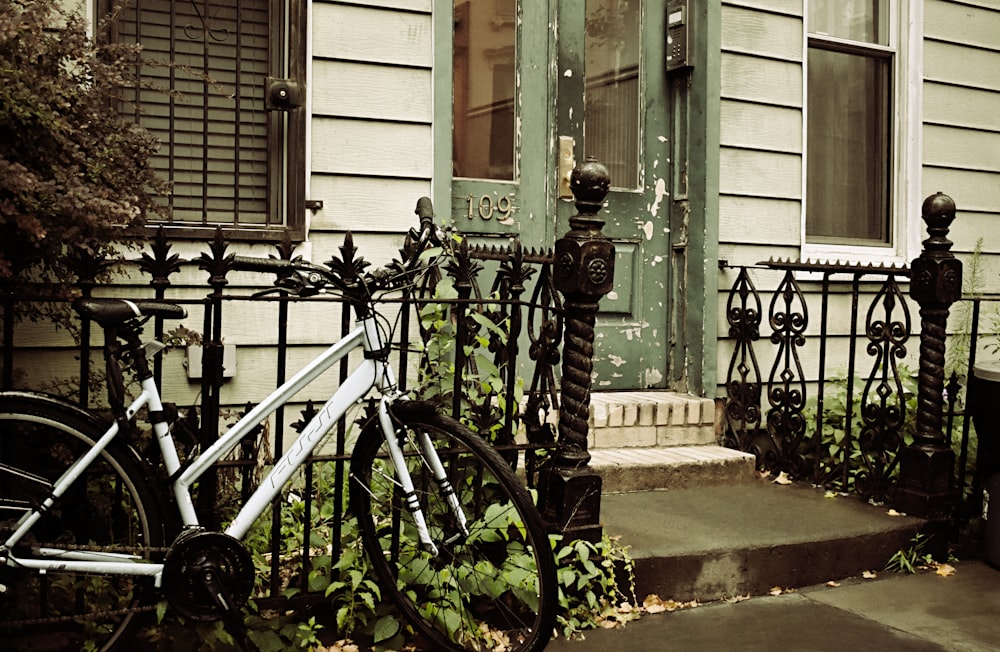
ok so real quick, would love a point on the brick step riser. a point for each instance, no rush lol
(650, 419)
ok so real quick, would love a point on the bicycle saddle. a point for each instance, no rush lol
(111, 312)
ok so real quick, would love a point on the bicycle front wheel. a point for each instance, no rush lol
(492, 584)
(110, 511)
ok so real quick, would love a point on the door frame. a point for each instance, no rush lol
(695, 206)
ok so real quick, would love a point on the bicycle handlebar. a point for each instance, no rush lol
(304, 278)
(255, 264)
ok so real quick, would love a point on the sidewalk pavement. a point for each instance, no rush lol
(899, 613)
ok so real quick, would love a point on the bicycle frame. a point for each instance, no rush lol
(373, 371)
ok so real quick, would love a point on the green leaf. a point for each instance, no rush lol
(385, 628)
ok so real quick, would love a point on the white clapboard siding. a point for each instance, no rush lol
(759, 221)
(962, 22)
(768, 81)
(971, 190)
(361, 90)
(957, 106)
(961, 133)
(761, 127)
(361, 147)
(760, 131)
(962, 149)
(760, 174)
(949, 62)
(764, 33)
(351, 32)
(372, 203)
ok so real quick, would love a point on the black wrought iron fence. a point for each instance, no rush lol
(496, 307)
(833, 418)
(831, 368)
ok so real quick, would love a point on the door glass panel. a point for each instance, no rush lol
(612, 103)
(484, 85)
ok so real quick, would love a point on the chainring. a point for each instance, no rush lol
(194, 557)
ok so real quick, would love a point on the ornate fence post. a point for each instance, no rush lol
(927, 465)
(570, 492)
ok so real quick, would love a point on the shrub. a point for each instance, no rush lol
(73, 171)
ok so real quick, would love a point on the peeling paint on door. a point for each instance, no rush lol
(647, 229)
(660, 189)
(652, 376)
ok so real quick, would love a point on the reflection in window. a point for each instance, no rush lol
(848, 157)
(484, 88)
(850, 85)
(866, 21)
(611, 119)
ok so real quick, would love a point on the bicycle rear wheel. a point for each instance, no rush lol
(493, 588)
(111, 508)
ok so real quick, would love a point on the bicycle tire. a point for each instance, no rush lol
(492, 590)
(110, 507)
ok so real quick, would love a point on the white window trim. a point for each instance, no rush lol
(906, 33)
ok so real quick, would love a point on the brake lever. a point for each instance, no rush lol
(264, 293)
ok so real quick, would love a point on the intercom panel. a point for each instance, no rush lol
(678, 22)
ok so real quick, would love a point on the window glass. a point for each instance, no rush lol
(857, 20)
(611, 119)
(484, 89)
(849, 146)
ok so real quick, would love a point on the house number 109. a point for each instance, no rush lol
(485, 207)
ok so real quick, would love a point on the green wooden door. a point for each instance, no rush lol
(537, 85)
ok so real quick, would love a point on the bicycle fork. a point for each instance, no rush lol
(406, 482)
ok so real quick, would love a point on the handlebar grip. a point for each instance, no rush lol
(254, 264)
(425, 211)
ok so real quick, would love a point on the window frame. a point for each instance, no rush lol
(904, 166)
(287, 136)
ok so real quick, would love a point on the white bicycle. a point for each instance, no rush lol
(452, 534)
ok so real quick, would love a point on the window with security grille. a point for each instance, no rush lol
(233, 158)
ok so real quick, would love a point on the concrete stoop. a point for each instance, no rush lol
(700, 522)
(676, 467)
(714, 542)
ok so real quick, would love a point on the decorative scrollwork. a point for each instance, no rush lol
(786, 393)
(883, 404)
(743, 414)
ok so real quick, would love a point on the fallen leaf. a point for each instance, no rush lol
(893, 512)
(944, 570)
(653, 605)
(833, 584)
(869, 575)
(782, 479)
(736, 598)
(777, 590)
(830, 494)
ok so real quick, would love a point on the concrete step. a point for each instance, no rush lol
(650, 419)
(675, 467)
(715, 542)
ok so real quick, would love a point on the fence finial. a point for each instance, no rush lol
(927, 465)
(570, 493)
